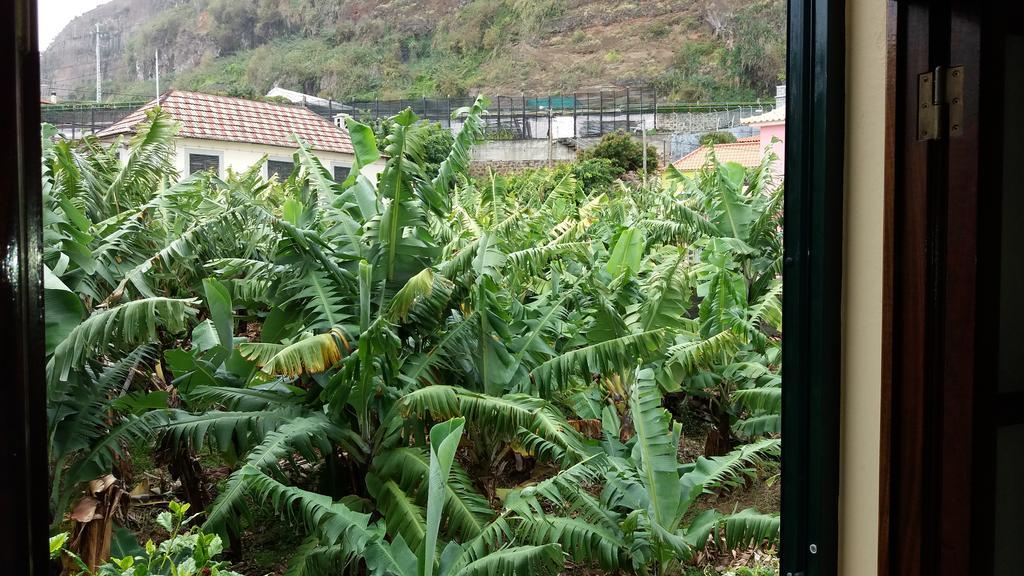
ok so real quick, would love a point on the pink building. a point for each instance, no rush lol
(772, 128)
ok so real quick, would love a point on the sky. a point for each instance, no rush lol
(55, 14)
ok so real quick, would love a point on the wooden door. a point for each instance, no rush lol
(952, 438)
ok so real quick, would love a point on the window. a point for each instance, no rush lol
(341, 172)
(201, 162)
(813, 266)
(283, 168)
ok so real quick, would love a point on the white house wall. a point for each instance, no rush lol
(240, 156)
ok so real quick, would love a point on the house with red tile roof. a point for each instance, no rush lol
(745, 152)
(221, 132)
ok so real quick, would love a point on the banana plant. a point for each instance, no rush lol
(636, 521)
(730, 357)
(310, 332)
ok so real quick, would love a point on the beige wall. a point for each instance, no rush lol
(862, 287)
(241, 155)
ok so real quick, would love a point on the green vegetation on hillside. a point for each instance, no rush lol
(742, 60)
(346, 49)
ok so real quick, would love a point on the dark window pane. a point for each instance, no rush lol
(200, 162)
(282, 168)
(340, 173)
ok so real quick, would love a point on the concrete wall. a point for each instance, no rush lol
(522, 151)
(860, 426)
(512, 154)
(240, 156)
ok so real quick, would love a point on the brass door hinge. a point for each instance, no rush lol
(940, 103)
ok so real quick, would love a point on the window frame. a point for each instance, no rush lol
(23, 438)
(812, 271)
(266, 166)
(812, 276)
(338, 164)
(204, 152)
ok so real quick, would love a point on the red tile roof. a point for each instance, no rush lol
(209, 117)
(747, 153)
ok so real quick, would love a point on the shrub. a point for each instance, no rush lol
(593, 173)
(186, 551)
(657, 31)
(624, 152)
(712, 138)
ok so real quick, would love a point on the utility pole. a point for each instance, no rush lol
(99, 76)
(158, 74)
(643, 132)
(550, 136)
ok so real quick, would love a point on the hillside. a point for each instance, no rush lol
(689, 49)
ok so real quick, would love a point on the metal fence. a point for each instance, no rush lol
(575, 115)
(79, 120)
(562, 116)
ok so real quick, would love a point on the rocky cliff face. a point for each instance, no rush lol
(68, 65)
(696, 49)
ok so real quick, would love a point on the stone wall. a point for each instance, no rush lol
(482, 168)
(701, 122)
(681, 144)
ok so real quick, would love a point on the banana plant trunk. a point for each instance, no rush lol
(183, 465)
(719, 440)
(93, 522)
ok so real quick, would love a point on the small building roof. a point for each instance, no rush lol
(208, 117)
(776, 116)
(746, 154)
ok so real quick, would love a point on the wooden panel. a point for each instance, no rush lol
(907, 411)
(959, 277)
(990, 409)
(936, 484)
